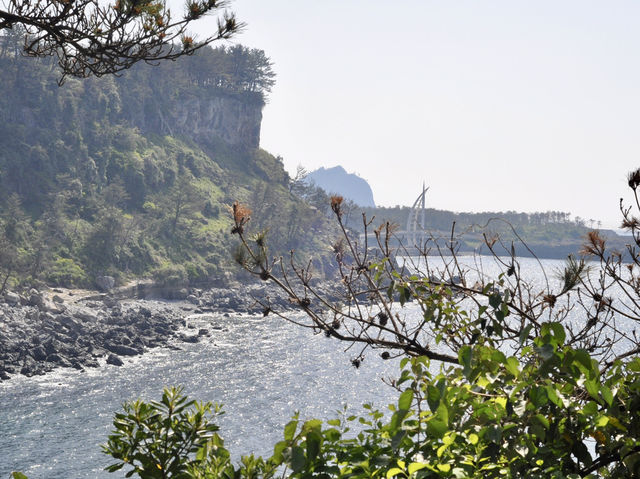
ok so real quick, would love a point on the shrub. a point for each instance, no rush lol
(66, 272)
(172, 275)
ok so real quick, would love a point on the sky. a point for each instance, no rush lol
(495, 105)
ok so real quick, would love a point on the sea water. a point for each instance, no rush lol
(262, 369)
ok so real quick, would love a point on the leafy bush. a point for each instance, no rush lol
(161, 439)
(66, 272)
(172, 275)
(196, 272)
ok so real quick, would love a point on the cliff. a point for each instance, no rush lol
(234, 121)
(133, 176)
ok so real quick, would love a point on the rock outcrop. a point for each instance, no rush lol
(348, 185)
(43, 331)
(234, 121)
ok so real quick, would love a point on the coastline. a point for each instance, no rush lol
(44, 330)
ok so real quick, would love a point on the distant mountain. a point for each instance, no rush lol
(348, 185)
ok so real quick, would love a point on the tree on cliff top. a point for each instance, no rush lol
(90, 37)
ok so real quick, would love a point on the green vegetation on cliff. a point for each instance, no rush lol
(133, 176)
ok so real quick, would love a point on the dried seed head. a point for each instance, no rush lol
(550, 299)
(241, 213)
(634, 179)
(630, 223)
(594, 245)
(305, 302)
(336, 203)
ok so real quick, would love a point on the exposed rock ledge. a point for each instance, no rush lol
(43, 330)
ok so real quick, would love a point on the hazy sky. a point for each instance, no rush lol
(496, 105)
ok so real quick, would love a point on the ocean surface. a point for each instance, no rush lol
(261, 369)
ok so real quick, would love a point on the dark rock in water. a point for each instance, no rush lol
(203, 332)
(29, 367)
(77, 365)
(114, 360)
(91, 363)
(39, 354)
(122, 350)
(58, 360)
(189, 338)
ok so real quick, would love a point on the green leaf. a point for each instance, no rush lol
(606, 394)
(278, 450)
(590, 409)
(18, 475)
(546, 351)
(449, 438)
(404, 402)
(464, 358)
(559, 334)
(433, 397)
(312, 424)
(437, 427)
(582, 357)
(553, 396)
(493, 434)
(314, 440)
(513, 366)
(441, 450)
(495, 300)
(538, 396)
(582, 453)
(394, 472)
(416, 466)
(290, 430)
(298, 461)
(524, 334)
(544, 422)
(396, 440)
(592, 388)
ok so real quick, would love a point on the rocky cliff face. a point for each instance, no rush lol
(233, 120)
(236, 120)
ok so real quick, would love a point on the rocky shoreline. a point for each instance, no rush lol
(44, 330)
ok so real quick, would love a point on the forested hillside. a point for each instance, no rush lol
(132, 176)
